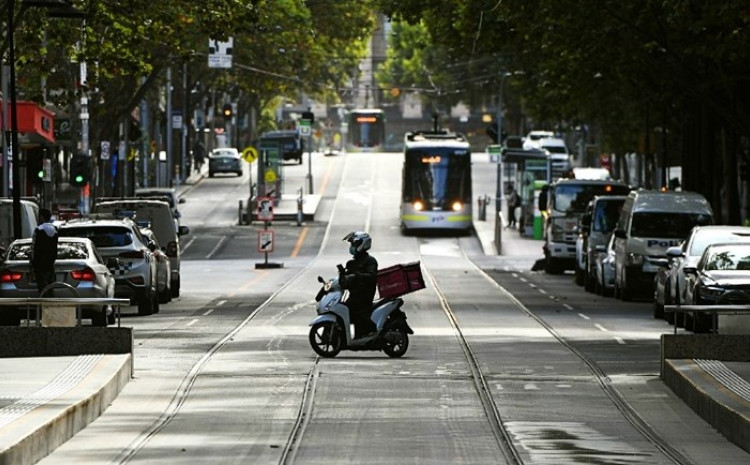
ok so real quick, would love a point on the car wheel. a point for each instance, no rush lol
(299, 161)
(658, 310)
(551, 266)
(165, 296)
(578, 276)
(239, 173)
(145, 306)
(210, 174)
(155, 305)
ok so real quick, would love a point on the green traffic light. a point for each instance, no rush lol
(40, 174)
(79, 178)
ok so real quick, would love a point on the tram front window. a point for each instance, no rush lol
(438, 178)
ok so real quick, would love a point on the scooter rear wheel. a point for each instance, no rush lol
(396, 344)
(326, 339)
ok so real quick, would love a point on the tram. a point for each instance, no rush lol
(366, 130)
(436, 184)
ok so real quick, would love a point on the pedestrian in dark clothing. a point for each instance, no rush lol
(44, 250)
(513, 202)
(199, 154)
(360, 279)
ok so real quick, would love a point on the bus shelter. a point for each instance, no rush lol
(270, 168)
(528, 171)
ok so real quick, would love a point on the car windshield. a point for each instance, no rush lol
(573, 198)
(218, 153)
(704, 238)
(104, 236)
(726, 259)
(667, 225)
(606, 214)
(65, 251)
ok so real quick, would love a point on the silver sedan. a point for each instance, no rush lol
(78, 266)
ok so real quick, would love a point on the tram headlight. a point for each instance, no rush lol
(457, 206)
(418, 205)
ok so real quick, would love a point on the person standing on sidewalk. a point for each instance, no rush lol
(513, 201)
(199, 154)
(44, 250)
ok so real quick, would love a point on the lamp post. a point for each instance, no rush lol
(56, 8)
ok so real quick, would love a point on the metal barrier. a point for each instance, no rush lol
(715, 310)
(38, 302)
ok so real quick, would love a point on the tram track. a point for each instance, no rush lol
(502, 435)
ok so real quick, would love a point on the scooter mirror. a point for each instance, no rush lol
(321, 280)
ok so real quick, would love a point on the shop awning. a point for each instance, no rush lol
(36, 125)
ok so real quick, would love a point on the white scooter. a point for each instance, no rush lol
(331, 330)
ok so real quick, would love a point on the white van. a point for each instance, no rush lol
(158, 216)
(29, 220)
(650, 222)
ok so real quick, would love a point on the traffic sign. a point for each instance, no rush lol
(270, 175)
(250, 154)
(305, 127)
(265, 240)
(265, 209)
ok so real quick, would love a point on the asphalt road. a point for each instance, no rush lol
(501, 355)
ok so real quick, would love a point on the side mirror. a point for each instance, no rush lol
(674, 252)
(620, 234)
(152, 246)
(586, 221)
(183, 231)
(690, 270)
(182, 200)
(113, 263)
(177, 214)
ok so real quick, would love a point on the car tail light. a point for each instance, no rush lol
(172, 249)
(132, 254)
(86, 274)
(8, 276)
(137, 280)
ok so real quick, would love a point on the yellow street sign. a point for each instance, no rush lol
(250, 154)
(270, 175)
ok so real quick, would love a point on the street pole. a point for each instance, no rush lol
(169, 128)
(14, 165)
(309, 164)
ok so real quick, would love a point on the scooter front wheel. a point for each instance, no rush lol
(396, 343)
(326, 339)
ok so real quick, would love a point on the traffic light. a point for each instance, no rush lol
(36, 169)
(80, 171)
(227, 110)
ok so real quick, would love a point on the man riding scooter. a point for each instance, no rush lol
(360, 279)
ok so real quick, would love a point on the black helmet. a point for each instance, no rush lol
(359, 240)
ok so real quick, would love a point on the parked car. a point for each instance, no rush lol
(669, 283)
(163, 268)
(135, 275)
(156, 215)
(224, 160)
(29, 220)
(721, 277)
(595, 228)
(650, 222)
(168, 194)
(78, 264)
(604, 268)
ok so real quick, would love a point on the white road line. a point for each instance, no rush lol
(216, 247)
(585, 317)
(542, 291)
(499, 387)
(601, 328)
(620, 340)
(569, 307)
(189, 243)
(221, 302)
(192, 322)
(523, 280)
(531, 387)
(208, 312)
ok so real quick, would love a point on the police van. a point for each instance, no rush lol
(650, 222)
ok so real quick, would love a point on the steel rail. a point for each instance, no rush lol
(289, 454)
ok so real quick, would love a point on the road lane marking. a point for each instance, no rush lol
(620, 340)
(221, 302)
(216, 247)
(601, 328)
(192, 322)
(542, 291)
(569, 307)
(189, 243)
(208, 312)
(585, 317)
(531, 387)
(300, 240)
(247, 285)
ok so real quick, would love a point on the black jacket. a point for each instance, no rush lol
(360, 278)
(44, 250)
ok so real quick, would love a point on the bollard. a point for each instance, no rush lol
(299, 207)
(482, 203)
(241, 222)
